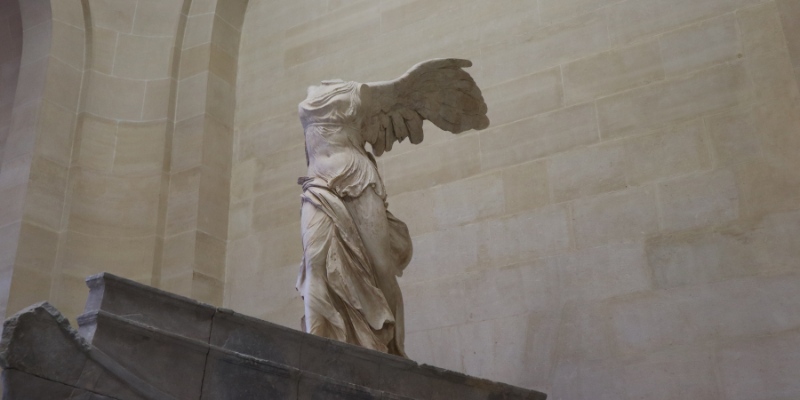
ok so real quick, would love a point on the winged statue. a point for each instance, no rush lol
(353, 247)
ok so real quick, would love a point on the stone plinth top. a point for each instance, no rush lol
(137, 342)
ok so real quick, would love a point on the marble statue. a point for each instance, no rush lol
(353, 247)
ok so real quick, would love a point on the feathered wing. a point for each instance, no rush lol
(437, 90)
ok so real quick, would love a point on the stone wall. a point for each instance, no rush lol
(115, 156)
(626, 228)
(23, 81)
(10, 57)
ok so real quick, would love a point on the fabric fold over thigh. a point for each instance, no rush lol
(337, 280)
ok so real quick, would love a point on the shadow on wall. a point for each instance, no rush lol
(115, 160)
(23, 64)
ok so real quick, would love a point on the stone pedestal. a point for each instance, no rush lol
(135, 342)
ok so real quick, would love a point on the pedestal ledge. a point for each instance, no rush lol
(135, 342)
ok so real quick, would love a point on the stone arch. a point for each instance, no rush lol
(101, 144)
(11, 186)
(128, 164)
(194, 208)
(122, 146)
(217, 213)
(10, 58)
(34, 158)
(177, 210)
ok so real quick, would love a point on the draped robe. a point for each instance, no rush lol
(349, 286)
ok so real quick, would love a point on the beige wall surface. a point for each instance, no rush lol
(24, 46)
(626, 228)
(114, 140)
(10, 182)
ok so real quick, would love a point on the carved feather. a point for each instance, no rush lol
(437, 90)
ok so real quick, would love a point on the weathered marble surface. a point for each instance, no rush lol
(138, 343)
(353, 247)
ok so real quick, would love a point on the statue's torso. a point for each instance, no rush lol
(334, 144)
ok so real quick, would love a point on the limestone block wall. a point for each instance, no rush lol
(626, 228)
(10, 53)
(10, 209)
(115, 178)
(24, 100)
(109, 160)
(216, 213)
(177, 227)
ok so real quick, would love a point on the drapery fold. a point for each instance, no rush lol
(337, 280)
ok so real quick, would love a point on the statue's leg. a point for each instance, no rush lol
(322, 317)
(369, 214)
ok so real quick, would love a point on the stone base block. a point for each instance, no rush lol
(138, 343)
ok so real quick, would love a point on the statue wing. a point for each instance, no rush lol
(437, 90)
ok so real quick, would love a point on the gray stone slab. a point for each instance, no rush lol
(23, 386)
(254, 337)
(390, 396)
(96, 379)
(344, 362)
(315, 387)
(426, 383)
(44, 344)
(233, 376)
(147, 344)
(171, 363)
(146, 305)
(39, 342)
